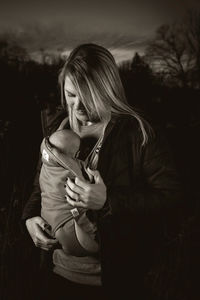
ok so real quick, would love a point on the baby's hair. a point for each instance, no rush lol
(66, 141)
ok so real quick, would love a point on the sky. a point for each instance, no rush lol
(124, 26)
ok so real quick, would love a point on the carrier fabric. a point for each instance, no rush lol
(55, 170)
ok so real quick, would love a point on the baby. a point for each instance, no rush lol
(69, 225)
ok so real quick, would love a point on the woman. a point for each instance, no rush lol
(134, 193)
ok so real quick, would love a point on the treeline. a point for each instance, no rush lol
(25, 82)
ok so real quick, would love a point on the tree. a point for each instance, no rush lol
(191, 27)
(175, 50)
(169, 52)
(11, 52)
(141, 70)
(138, 79)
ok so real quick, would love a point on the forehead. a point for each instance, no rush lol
(68, 85)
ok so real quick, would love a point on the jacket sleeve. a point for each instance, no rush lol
(148, 187)
(33, 205)
(142, 213)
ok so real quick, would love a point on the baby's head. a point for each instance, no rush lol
(66, 141)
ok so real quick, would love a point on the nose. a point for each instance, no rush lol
(78, 104)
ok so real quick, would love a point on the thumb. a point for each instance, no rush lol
(90, 174)
(96, 175)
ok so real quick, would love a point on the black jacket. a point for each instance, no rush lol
(143, 202)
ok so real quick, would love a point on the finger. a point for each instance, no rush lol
(83, 184)
(46, 249)
(51, 242)
(97, 178)
(96, 175)
(72, 194)
(90, 171)
(42, 223)
(90, 175)
(41, 246)
(73, 186)
(41, 236)
(76, 203)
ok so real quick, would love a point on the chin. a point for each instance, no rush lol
(82, 118)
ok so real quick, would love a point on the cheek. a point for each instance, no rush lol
(69, 101)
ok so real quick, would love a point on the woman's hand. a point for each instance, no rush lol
(84, 194)
(36, 227)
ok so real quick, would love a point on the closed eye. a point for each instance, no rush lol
(69, 94)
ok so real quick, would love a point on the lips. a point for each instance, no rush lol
(80, 112)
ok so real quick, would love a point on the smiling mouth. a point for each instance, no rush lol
(81, 112)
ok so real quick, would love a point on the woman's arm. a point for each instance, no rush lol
(33, 205)
(155, 183)
(146, 190)
(32, 220)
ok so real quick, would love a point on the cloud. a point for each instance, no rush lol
(53, 37)
(125, 16)
(61, 25)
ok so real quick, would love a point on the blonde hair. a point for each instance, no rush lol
(95, 76)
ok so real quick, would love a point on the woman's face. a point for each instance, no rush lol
(73, 101)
